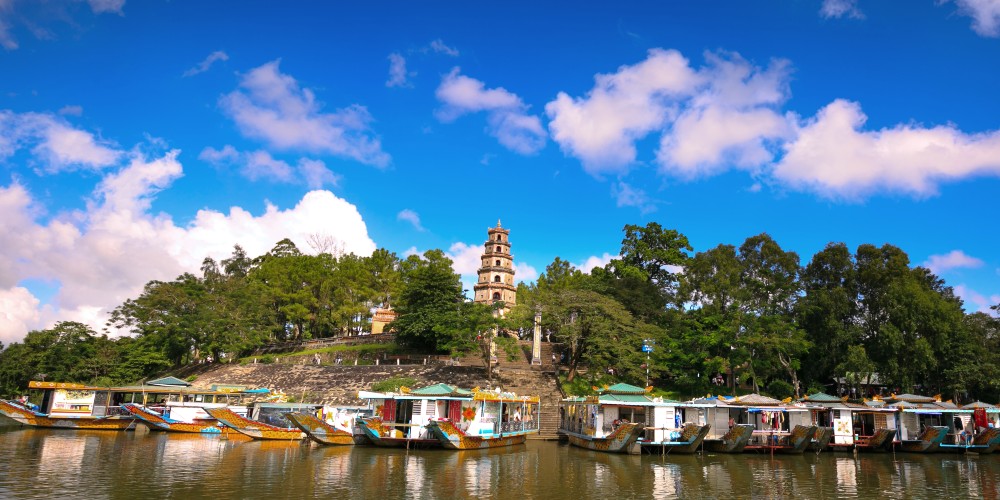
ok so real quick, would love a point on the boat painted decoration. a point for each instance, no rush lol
(498, 419)
(686, 442)
(929, 441)
(320, 430)
(821, 440)
(156, 421)
(733, 441)
(619, 441)
(31, 418)
(253, 428)
(400, 418)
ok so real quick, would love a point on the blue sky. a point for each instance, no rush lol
(138, 138)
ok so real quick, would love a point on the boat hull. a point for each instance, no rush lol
(692, 436)
(377, 434)
(733, 441)
(821, 440)
(793, 444)
(253, 429)
(157, 422)
(320, 431)
(929, 442)
(452, 437)
(619, 441)
(30, 418)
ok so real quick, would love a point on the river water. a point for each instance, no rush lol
(81, 464)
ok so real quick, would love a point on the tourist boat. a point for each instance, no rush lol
(78, 406)
(777, 427)
(337, 430)
(863, 427)
(400, 419)
(253, 428)
(159, 422)
(725, 434)
(925, 423)
(604, 422)
(497, 419)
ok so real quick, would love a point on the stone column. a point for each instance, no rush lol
(536, 341)
(493, 345)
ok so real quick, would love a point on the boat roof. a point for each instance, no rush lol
(755, 400)
(910, 398)
(440, 390)
(169, 381)
(821, 397)
(623, 388)
(979, 404)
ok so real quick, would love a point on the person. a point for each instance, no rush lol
(517, 415)
(732, 422)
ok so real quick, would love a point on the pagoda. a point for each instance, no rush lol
(496, 274)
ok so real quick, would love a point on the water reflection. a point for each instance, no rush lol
(55, 463)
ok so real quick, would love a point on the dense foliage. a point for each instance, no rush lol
(752, 314)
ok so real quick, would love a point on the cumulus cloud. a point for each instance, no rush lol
(525, 272)
(107, 6)
(55, 144)
(107, 252)
(840, 8)
(271, 106)
(975, 301)
(261, 166)
(955, 259)
(832, 156)
(440, 47)
(407, 215)
(628, 196)
(596, 261)
(71, 110)
(206, 64)
(397, 71)
(985, 15)
(507, 114)
(7, 40)
(601, 128)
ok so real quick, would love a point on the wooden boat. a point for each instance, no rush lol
(984, 443)
(733, 441)
(789, 443)
(499, 419)
(686, 442)
(156, 421)
(821, 440)
(319, 430)
(613, 421)
(31, 418)
(253, 428)
(622, 440)
(400, 419)
(929, 441)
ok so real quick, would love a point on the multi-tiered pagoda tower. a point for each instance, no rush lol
(496, 275)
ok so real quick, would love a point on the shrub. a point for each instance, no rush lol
(392, 384)
(779, 389)
(192, 378)
(267, 359)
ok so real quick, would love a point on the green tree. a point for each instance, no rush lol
(429, 302)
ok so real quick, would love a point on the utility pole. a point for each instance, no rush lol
(647, 347)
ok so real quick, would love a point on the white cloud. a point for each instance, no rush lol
(105, 254)
(628, 196)
(952, 260)
(272, 107)
(524, 272)
(594, 261)
(506, 113)
(71, 110)
(985, 15)
(410, 216)
(466, 258)
(841, 8)
(317, 174)
(397, 71)
(260, 165)
(107, 6)
(832, 156)
(7, 40)
(601, 128)
(978, 301)
(54, 143)
(440, 47)
(20, 313)
(206, 64)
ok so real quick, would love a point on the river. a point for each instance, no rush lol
(81, 464)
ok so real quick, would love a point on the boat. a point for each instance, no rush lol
(725, 435)
(845, 426)
(773, 423)
(498, 419)
(157, 421)
(929, 441)
(821, 440)
(66, 405)
(254, 428)
(926, 423)
(320, 430)
(400, 418)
